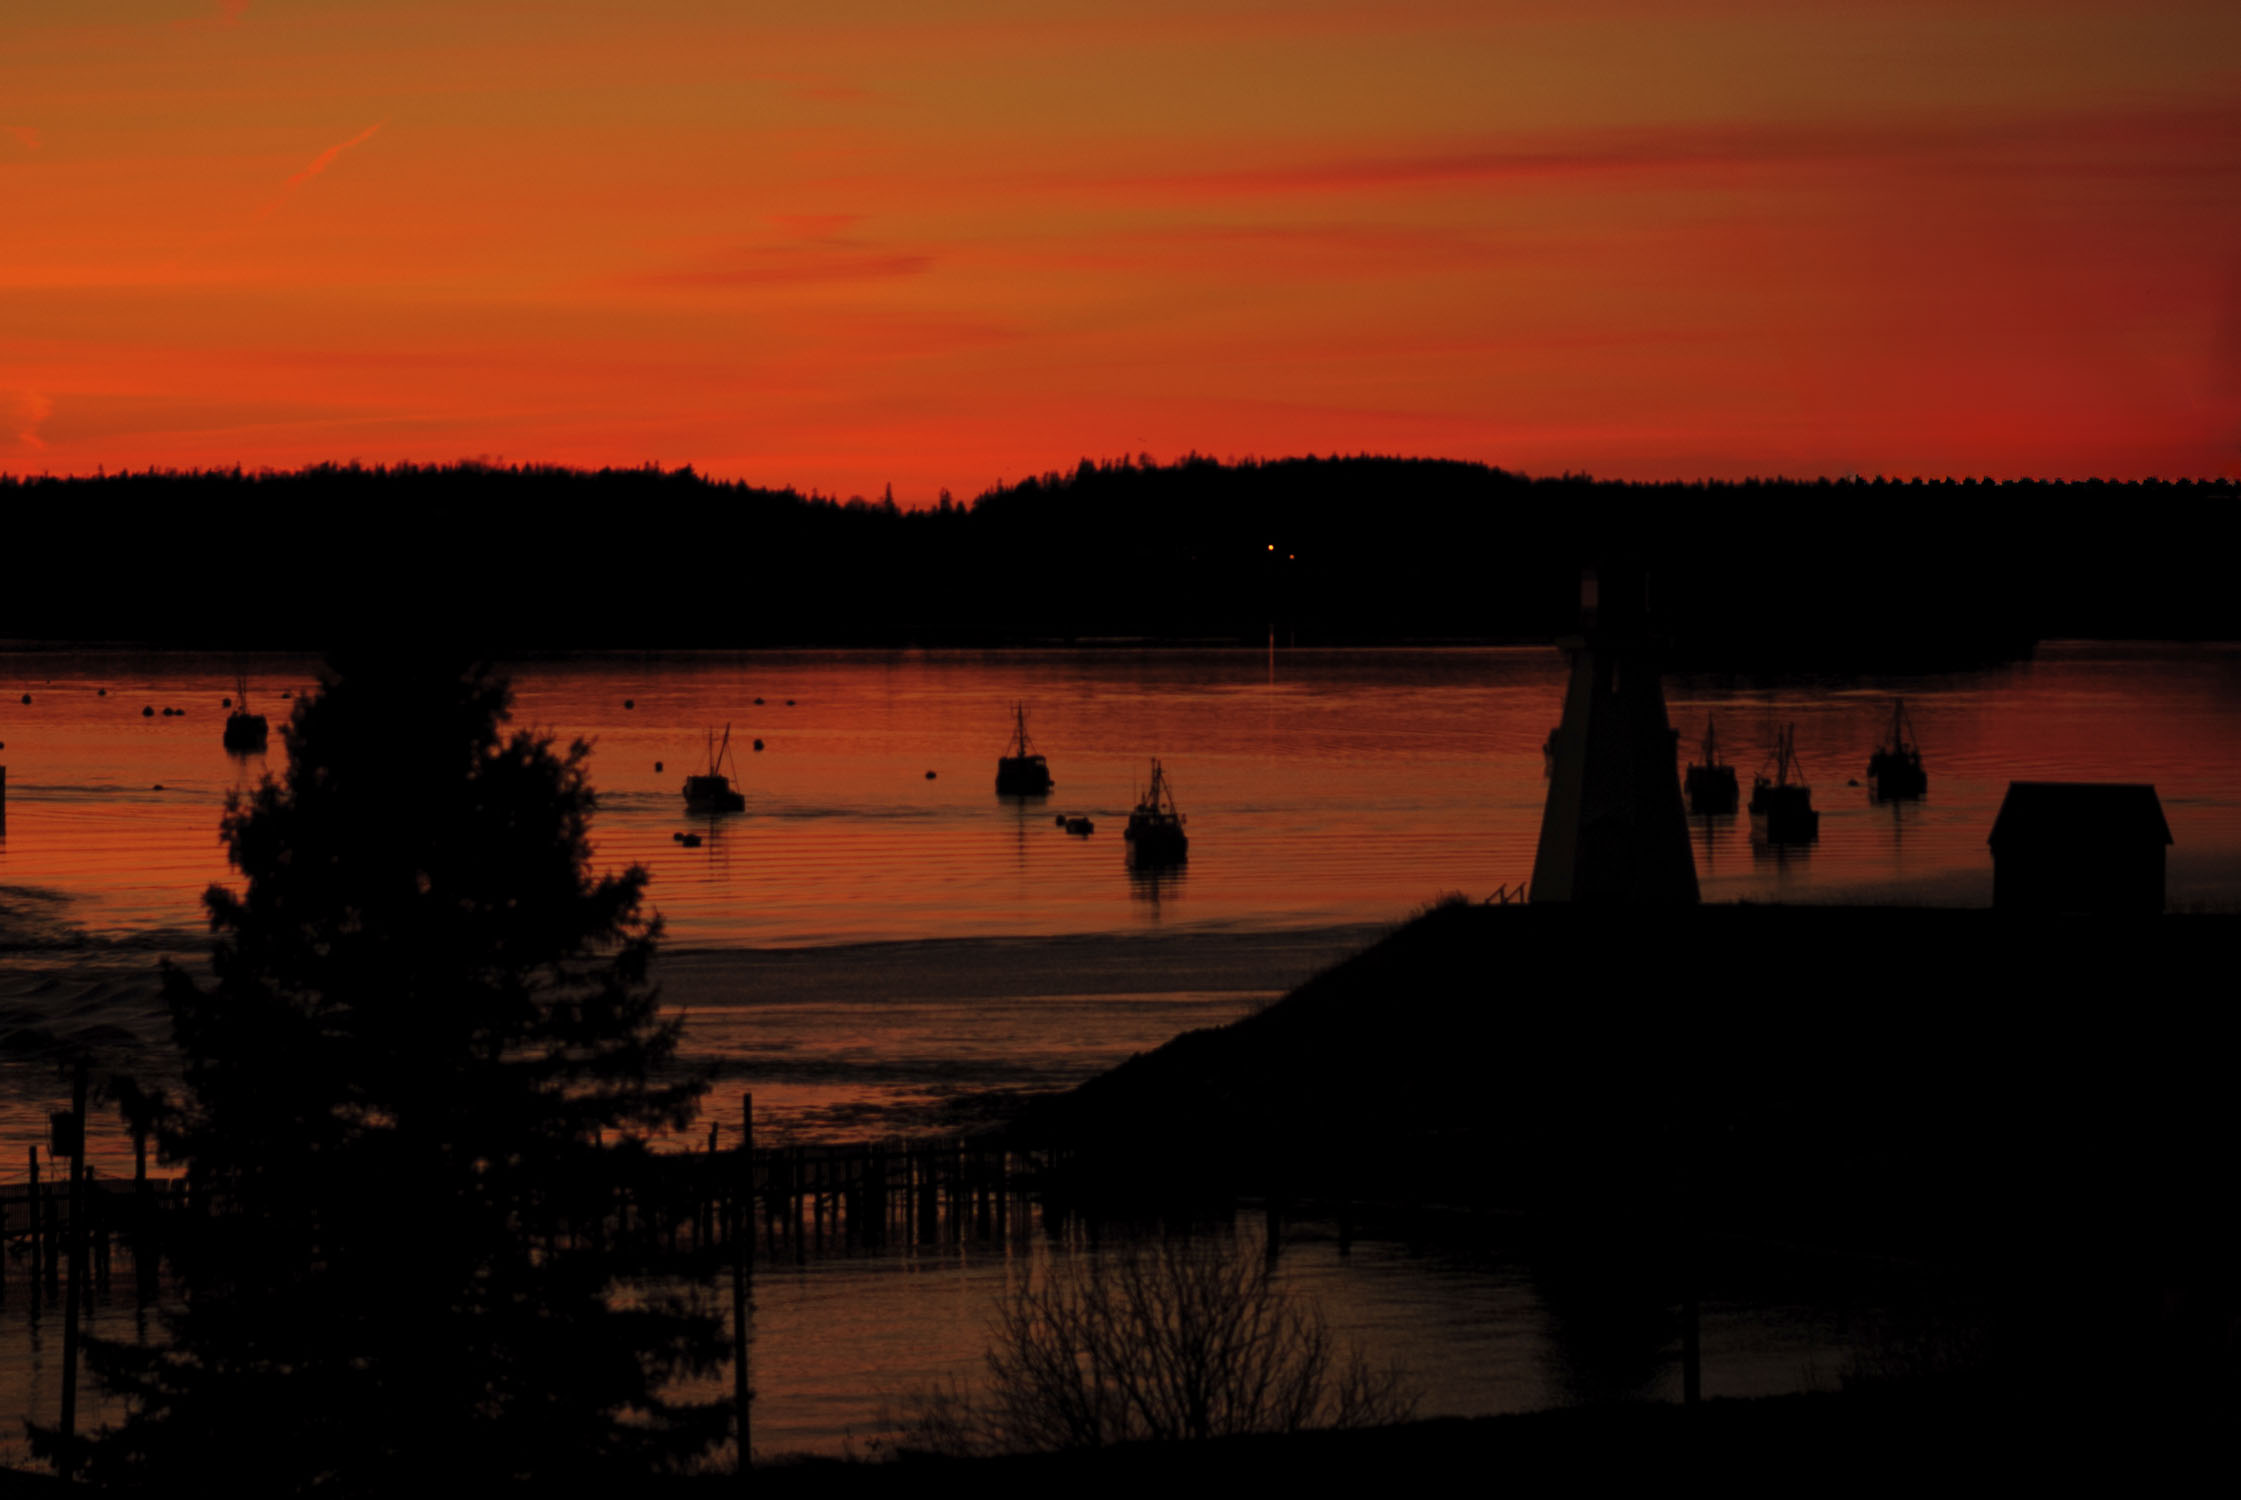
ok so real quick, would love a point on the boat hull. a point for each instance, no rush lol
(1022, 776)
(1897, 778)
(1157, 843)
(1711, 789)
(246, 732)
(1790, 826)
(712, 794)
(1784, 815)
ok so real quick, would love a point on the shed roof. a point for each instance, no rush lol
(2080, 810)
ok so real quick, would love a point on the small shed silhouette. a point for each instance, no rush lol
(2079, 846)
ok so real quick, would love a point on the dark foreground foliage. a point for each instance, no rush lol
(1174, 1340)
(1821, 1444)
(429, 1030)
(1312, 551)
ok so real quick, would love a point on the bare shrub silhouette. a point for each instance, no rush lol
(1179, 1340)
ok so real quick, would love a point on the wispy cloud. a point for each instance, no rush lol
(24, 410)
(326, 158)
(816, 226)
(319, 163)
(26, 136)
(789, 269)
(2188, 140)
(224, 14)
(815, 252)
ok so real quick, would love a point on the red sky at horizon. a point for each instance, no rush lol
(857, 246)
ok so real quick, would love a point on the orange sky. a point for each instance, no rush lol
(844, 245)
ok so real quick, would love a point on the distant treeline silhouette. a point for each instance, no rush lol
(1321, 551)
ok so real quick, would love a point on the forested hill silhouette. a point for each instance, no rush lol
(1321, 551)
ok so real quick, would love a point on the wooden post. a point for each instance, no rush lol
(31, 1214)
(742, 1246)
(143, 1214)
(97, 1226)
(66, 1462)
(53, 1229)
(1692, 1375)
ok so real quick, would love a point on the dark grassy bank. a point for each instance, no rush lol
(1323, 551)
(1925, 1436)
(2043, 1104)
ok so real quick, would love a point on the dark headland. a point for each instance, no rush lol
(2035, 1107)
(2040, 1105)
(1859, 573)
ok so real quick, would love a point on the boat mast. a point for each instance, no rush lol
(1786, 757)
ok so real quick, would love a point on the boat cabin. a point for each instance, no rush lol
(1020, 771)
(1710, 785)
(1782, 805)
(245, 732)
(1155, 829)
(712, 792)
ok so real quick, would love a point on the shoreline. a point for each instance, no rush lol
(845, 1041)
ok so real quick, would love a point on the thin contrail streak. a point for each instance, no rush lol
(320, 163)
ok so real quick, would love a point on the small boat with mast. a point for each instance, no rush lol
(1155, 829)
(246, 733)
(1711, 786)
(713, 792)
(1895, 769)
(1020, 772)
(1782, 809)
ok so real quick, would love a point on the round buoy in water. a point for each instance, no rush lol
(159, 786)
(167, 713)
(929, 776)
(690, 841)
(1060, 820)
(677, 838)
(225, 703)
(758, 744)
(758, 703)
(101, 692)
(147, 713)
(285, 693)
(630, 702)
(789, 702)
(657, 768)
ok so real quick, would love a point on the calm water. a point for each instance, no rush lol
(1321, 787)
(868, 949)
(840, 1341)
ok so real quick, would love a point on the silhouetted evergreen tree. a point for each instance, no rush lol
(430, 1037)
